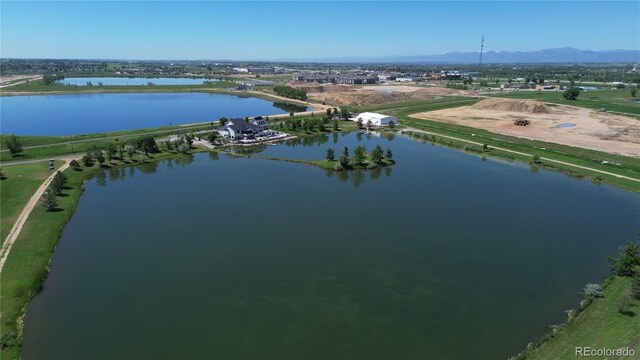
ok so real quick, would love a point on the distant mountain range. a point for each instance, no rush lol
(559, 55)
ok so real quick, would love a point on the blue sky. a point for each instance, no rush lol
(307, 30)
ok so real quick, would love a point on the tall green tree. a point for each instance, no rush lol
(359, 154)
(331, 155)
(345, 151)
(100, 158)
(49, 200)
(571, 93)
(14, 145)
(377, 155)
(627, 260)
(388, 154)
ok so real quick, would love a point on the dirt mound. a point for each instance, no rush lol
(513, 105)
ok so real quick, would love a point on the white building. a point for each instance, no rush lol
(240, 129)
(375, 119)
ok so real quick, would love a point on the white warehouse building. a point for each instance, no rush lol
(376, 119)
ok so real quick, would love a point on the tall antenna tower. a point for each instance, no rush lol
(481, 50)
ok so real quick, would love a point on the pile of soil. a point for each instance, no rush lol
(513, 105)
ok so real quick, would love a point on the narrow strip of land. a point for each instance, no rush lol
(523, 154)
(39, 77)
(24, 214)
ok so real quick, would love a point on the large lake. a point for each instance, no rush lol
(73, 114)
(128, 81)
(443, 256)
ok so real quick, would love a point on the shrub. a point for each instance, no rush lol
(87, 160)
(571, 93)
(75, 165)
(593, 290)
(8, 340)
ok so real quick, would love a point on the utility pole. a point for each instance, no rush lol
(481, 50)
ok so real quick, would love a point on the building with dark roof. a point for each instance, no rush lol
(239, 129)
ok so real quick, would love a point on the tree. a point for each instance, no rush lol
(344, 161)
(345, 152)
(392, 125)
(344, 112)
(100, 158)
(75, 165)
(331, 155)
(223, 121)
(359, 123)
(111, 151)
(49, 200)
(571, 93)
(388, 154)
(130, 151)
(87, 159)
(535, 159)
(359, 154)
(58, 183)
(14, 145)
(377, 154)
(335, 125)
(328, 111)
(628, 258)
(2, 176)
(634, 91)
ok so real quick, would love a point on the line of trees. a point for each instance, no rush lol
(377, 156)
(144, 145)
(49, 198)
(290, 92)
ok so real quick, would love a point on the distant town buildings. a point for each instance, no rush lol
(261, 69)
(356, 79)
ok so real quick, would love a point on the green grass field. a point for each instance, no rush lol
(16, 190)
(618, 100)
(599, 325)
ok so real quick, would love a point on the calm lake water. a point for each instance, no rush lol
(442, 256)
(94, 113)
(110, 81)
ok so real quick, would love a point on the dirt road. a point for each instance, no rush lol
(24, 214)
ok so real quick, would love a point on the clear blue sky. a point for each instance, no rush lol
(306, 30)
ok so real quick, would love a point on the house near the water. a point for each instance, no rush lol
(241, 129)
(375, 119)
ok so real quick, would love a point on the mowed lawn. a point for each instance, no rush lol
(20, 184)
(599, 325)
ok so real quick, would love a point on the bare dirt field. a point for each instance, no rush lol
(560, 124)
(8, 80)
(360, 95)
